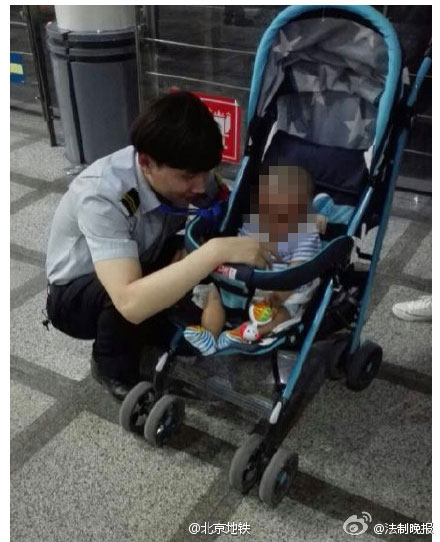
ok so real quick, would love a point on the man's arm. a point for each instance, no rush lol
(138, 298)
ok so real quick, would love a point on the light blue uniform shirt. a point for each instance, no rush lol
(91, 223)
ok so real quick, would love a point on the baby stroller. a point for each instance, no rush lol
(328, 93)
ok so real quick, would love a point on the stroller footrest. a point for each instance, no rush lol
(219, 389)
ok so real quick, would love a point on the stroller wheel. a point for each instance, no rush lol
(164, 419)
(135, 407)
(246, 464)
(278, 477)
(363, 366)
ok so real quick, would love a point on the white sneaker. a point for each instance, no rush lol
(415, 311)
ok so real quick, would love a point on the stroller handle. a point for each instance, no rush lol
(332, 256)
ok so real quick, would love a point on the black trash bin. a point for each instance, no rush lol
(96, 82)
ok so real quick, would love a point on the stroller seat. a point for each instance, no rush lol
(237, 285)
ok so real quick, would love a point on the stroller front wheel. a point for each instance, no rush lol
(164, 419)
(135, 407)
(363, 366)
(278, 477)
(246, 464)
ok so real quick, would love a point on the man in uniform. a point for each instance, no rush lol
(113, 263)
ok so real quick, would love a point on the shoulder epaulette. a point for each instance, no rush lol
(130, 200)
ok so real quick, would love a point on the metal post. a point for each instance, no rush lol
(137, 36)
(33, 24)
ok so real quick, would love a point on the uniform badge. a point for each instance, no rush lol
(130, 200)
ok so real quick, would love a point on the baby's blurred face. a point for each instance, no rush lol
(283, 202)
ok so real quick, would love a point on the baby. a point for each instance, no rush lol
(285, 224)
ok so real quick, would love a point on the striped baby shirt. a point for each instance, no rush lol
(301, 246)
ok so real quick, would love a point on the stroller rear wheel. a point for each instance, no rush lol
(278, 477)
(246, 464)
(363, 366)
(164, 419)
(135, 407)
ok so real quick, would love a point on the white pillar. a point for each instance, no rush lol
(94, 18)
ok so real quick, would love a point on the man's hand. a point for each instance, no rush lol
(243, 250)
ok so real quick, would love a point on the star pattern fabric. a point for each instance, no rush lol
(357, 126)
(366, 34)
(336, 72)
(318, 98)
(286, 46)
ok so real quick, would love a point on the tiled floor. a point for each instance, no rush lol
(77, 476)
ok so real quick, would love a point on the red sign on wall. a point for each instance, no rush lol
(227, 114)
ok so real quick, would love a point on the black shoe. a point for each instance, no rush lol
(118, 388)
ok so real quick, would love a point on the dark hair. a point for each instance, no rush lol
(179, 131)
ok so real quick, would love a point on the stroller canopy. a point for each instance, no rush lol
(333, 72)
(324, 86)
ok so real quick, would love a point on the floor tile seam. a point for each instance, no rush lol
(56, 186)
(310, 490)
(379, 290)
(28, 199)
(403, 279)
(411, 281)
(405, 247)
(22, 254)
(413, 216)
(216, 506)
(27, 139)
(43, 380)
(39, 433)
(409, 379)
(23, 293)
(31, 130)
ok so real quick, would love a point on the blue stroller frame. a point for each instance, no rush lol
(290, 62)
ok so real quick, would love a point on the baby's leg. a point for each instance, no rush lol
(280, 315)
(213, 316)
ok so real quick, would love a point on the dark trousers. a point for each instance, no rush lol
(83, 310)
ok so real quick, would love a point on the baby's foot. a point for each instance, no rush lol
(202, 339)
(245, 334)
(229, 338)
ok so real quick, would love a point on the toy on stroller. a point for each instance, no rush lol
(329, 94)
